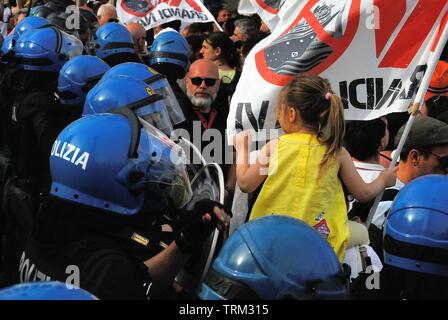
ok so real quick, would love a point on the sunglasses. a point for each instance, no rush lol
(443, 160)
(198, 81)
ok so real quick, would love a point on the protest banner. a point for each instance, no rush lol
(151, 13)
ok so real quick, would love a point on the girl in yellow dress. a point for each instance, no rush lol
(305, 166)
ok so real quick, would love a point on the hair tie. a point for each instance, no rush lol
(328, 96)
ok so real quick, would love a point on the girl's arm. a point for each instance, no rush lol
(249, 177)
(362, 191)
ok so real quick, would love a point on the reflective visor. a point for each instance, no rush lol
(161, 86)
(156, 115)
(168, 169)
(152, 109)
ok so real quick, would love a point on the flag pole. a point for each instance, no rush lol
(217, 24)
(415, 109)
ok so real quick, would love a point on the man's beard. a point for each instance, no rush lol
(201, 103)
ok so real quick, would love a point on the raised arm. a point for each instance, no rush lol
(362, 191)
(249, 177)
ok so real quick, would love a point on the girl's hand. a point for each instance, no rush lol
(241, 140)
(389, 176)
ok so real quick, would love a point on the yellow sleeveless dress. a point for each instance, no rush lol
(293, 187)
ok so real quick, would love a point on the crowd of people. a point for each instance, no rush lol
(98, 190)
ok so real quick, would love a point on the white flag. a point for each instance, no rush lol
(373, 52)
(268, 10)
(151, 13)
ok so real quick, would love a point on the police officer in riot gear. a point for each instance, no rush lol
(416, 241)
(156, 81)
(39, 55)
(169, 55)
(134, 94)
(76, 78)
(114, 177)
(113, 43)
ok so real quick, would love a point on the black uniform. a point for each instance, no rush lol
(29, 135)
(88, 247)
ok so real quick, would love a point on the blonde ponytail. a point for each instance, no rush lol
(320, 110)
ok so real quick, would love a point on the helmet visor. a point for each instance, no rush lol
(162, 87)
(167, 167)
(156, 114)
(71, 45)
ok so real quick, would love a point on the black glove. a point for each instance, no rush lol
(195, 230)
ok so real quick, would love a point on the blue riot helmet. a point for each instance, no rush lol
(112, 38)
(170, 47)
(276, 257)
(155, 80)
(28, 24)
(129, 92)
(78, 76)
(116, 162)
(416, 228)
(52, 290)
(46, 49)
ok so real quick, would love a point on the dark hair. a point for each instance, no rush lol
(436, 105)
(175, 24)
(444, 55)
(195, 42)
(425, 151)
(228, 51)
(200, 28)
(394, 122)
(443, 117)
(252, 41)
(321, 113)
(217, 9)
(247, 26)
(362, 138)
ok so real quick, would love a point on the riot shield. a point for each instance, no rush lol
(207, 184)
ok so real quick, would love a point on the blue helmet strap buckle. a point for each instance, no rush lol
(135, 129)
